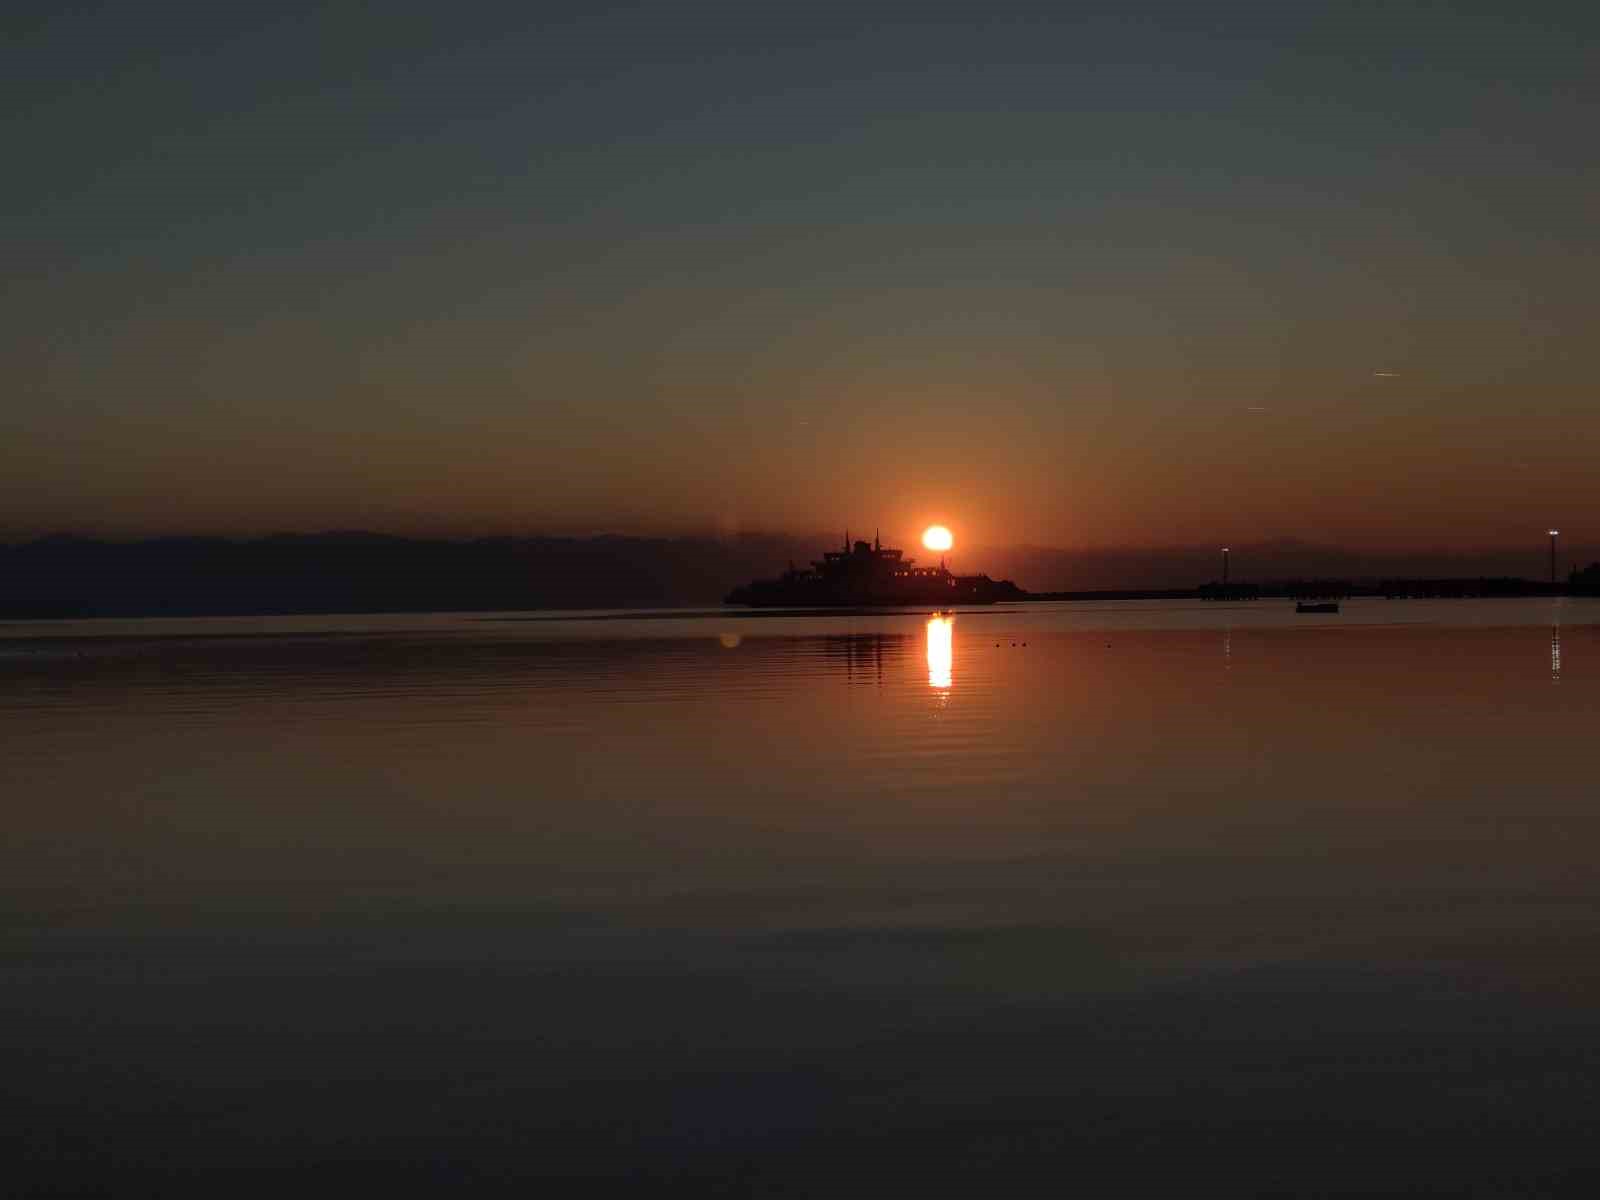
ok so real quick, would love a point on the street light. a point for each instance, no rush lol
(1224, 566)
(1554, 533)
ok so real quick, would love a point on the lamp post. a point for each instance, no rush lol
(1554, 533)
(1224, 566)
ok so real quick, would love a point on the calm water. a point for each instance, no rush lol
(1140, 895)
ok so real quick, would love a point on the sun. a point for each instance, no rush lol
(937, 537)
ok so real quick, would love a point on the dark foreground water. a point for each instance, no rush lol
(1149, 899)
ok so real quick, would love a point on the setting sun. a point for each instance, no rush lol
(937, 537)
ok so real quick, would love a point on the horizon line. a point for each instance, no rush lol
(1267, 544)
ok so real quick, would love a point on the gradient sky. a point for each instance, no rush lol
(1070, 274)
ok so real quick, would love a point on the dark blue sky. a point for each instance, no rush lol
(1082, 274)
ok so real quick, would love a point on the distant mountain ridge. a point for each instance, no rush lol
(356, 571)
(359, 571)
(1044, 569)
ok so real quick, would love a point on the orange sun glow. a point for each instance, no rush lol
(937, 537)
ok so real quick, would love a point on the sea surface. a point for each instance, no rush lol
(1140, 898)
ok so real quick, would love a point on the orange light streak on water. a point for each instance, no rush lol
(941, 651)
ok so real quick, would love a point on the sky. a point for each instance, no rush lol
(1081, 275)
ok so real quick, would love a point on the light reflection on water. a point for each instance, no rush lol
(941, 652)
(686, 871)
(683, 746)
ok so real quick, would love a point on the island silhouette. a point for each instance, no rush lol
(65, 576)
(869, 573)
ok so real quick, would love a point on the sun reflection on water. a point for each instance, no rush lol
(940, 650)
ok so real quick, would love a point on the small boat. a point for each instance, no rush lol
(1316, 606)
